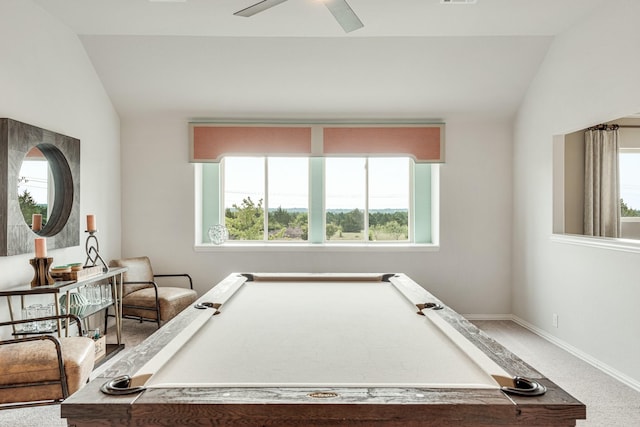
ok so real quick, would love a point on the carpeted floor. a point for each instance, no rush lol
(609, 402)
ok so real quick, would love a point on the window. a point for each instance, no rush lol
(319, 200)
(629, 164)
(367, 199)
(279, 186)
(317, 183)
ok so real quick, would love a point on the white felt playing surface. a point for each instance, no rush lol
(306, 334)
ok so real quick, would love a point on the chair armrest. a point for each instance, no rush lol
(140, 283)
(56, 343)
(71, 317)
(177, 275)
(153, 285)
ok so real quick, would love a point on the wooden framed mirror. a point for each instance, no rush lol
(54, 193)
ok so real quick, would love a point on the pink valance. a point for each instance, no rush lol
(424, 144)
(211, 142)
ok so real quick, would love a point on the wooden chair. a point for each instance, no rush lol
(43, 369)
(144, 300)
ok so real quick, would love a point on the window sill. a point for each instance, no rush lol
(309, 247)
(630, 219)
(624, 245)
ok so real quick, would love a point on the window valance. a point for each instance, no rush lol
(211, 142)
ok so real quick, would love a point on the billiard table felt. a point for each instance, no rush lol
(325, 334)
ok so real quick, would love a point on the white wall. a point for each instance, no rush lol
(590, 75)
(47, 80)
(471, 271)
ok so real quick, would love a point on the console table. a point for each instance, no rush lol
(114, 277)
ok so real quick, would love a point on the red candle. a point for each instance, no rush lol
(41, 247)
(91, 223)
(36, 222)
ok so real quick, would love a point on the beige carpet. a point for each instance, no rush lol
(609, 402)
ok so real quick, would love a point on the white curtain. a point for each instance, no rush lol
(601, 184)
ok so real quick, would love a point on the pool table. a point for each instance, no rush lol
(318, 350)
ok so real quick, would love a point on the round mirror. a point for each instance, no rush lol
(45, 190)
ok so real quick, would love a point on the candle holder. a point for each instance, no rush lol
(42, 276)
(93, 251)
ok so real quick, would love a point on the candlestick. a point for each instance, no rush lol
(41, 247)
(41, 276)
(36, 222)
(91, 223)
(93, 252)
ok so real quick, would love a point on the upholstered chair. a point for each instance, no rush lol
(43, 369)
(144, 300)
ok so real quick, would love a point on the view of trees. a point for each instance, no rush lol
(246, 222)
(285, 225)
(28, 206)
(627, 211)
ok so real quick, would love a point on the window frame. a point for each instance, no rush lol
(424, 232)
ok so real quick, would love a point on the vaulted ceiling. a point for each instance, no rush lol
(413, 59)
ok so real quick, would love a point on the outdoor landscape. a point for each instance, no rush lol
(246, 222)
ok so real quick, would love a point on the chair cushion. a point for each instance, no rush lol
(35, 361)
(139, 270)
(172, 301)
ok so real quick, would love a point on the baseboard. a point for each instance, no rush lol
(488, 316)
(623, 378)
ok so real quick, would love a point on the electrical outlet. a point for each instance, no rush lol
(555, 320)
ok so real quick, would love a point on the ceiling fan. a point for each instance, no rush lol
(340, 9)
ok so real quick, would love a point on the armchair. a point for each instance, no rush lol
(144, 300)
(43, 369)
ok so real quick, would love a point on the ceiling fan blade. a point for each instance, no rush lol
(258, 7)
(343, 13)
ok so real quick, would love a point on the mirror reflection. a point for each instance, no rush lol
(35, 189)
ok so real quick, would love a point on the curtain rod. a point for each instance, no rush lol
(611, 126)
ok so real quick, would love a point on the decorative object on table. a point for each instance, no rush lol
(34, 311)
(41, 264)
(77, 303)
(92, 247)
(218, 234)
(75, 300)
(100, 342)
(75, 272)
(41, 275)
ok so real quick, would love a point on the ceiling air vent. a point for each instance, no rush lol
(458, 1)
